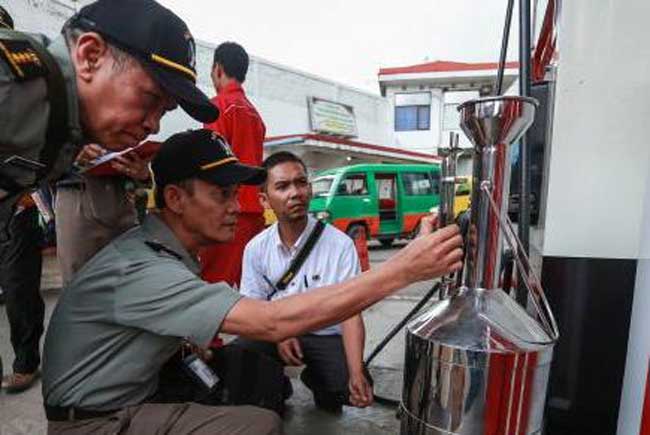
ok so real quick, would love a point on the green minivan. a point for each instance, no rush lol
(386, 201)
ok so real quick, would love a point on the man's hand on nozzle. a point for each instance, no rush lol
(428, 224)
(431, 255)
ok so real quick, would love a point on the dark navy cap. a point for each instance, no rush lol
(159, 39)
(205, 155)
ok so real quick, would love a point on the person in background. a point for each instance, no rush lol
(6, 22)
(334, 355)
(21, 262)
(20, 284)
(242, 127)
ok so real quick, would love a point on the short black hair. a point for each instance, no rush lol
(233, 59)
(282, 157)
(159, 192)
(278, 158)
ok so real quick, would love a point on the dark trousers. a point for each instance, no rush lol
(326, 370)
(20, 279)
(245, 378)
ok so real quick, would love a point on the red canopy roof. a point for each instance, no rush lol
(444, 66)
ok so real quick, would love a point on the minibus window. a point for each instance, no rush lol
(322, 186)
(353, 185)
(417, 183)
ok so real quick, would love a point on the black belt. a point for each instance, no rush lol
(69, 413)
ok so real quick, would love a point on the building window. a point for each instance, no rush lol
(413, 111)
(417, 184)
(408, 118)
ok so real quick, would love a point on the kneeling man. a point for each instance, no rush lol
(131, 306)
(308, 254)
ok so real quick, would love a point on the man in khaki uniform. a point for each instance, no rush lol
(93, 210)
(121, 65)
(130, 307)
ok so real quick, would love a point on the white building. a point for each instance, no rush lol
(424, 99)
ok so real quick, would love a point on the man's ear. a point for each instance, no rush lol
(174, 198)
(264, 199)
(90, 54)
(218, 71)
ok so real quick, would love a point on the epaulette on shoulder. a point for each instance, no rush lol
(18, 52)
(162, 249)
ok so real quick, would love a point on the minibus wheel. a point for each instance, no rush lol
(356, 231)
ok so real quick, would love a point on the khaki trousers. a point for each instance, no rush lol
(88, 217)
(177, 419)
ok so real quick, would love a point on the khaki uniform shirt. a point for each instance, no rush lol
(123, 315)
(26, 112)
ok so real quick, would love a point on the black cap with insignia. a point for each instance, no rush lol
(6, 22)
(159, 39)
(201, 154)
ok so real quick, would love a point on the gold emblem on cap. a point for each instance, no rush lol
(227, 149)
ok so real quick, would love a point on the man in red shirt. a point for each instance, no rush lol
(242, 127)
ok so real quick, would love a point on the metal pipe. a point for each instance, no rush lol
(504, 48)
(398, 327)
(523, 223)
(447, 199)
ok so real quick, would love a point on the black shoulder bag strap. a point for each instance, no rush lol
(299, 259)
(58, 126)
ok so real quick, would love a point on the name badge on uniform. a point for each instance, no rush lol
(23, 61)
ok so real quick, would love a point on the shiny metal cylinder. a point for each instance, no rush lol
(492, 124)
(477, 363)
(470, 368)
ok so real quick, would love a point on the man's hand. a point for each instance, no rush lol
(89, 153)
(290, 352)
(132, 166)
(428, 224)
(360, 389)
(430, 255)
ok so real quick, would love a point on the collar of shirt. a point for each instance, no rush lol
(158, 232)
(311, 222)
(231, 88)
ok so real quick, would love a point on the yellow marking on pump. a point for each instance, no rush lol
(218, 163)
(172, 64)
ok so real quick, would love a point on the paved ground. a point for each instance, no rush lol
(23, 414)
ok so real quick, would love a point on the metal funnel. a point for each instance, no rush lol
(492, 124)
(496, 120)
